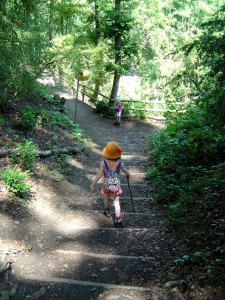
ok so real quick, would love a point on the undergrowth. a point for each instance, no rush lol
(188, 172)
(15, 181)
(35, 128)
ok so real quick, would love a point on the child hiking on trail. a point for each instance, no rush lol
(118, 111)
(108, 171)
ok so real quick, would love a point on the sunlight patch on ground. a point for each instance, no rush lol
(96, 149)
(75, 163)
(8, 225)
(60, 218)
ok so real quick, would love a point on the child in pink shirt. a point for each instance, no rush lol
(118, 111)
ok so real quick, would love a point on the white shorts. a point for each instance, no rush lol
(118, 113)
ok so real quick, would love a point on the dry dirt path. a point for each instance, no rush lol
(76, 251)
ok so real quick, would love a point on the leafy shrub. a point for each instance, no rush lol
(48, 146)
(41, 115)
(179, 210)
(62, 120)
(111, 112)
(130, 109)
(41, 91)
(103, 108)
(2, 120)
(26, 119)
(77, 134)
(14, 181)
(65, 122)
(26, 154)
(125, 107)
(182, 153)
(141, 114)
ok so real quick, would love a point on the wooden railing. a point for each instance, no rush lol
(154, 109)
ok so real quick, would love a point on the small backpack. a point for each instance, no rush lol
(112, 181)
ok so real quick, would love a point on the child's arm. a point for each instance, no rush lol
(98, 176)
(123, 168)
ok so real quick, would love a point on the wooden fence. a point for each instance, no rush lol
(153, 109)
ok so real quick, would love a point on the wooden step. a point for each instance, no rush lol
(113, 241)
(86, 283)
(46, 288)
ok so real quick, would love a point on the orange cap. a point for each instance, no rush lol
(112, 150)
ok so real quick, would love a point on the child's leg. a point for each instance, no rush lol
(106, 201)
(118, 119)
(116, 200)
(117, 211)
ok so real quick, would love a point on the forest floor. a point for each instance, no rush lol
(59, 245)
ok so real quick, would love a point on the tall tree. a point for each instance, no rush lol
(51, 19)
(117, 48)
(96, 39)
(211, 62)
(112, 24)
(22, 47)
(125, 46)
(164, 27)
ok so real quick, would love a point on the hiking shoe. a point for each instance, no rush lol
(118, 223)
(107, 213)
(116, 124)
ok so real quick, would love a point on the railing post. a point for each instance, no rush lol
(75, 112)
(83, 92)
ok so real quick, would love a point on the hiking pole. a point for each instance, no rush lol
(130, 195)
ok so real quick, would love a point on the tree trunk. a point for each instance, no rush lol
(62, 19)
(97, 24)
(97, 37)
(51, 15)
(115, 87)
(117, 47)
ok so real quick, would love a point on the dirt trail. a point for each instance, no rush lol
(72, 251)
